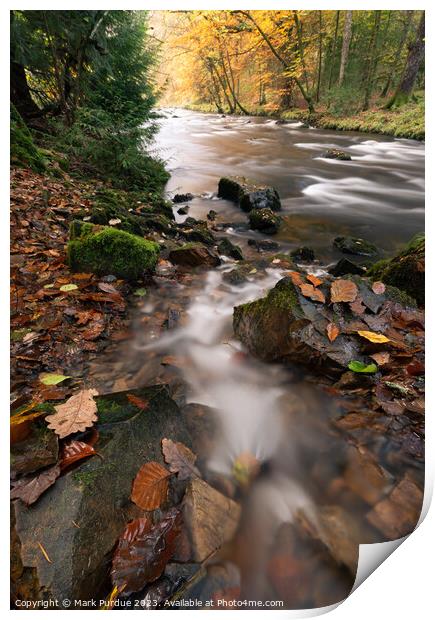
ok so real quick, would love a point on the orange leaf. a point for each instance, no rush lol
(378, 288)
(138, 402)
(314, 279)
(343, 290)
(383, 357)
(315, 294)
(332, 331)
(296, 277)
(75, 451)
(150, 487)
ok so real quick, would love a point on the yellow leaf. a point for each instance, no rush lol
(373, 337)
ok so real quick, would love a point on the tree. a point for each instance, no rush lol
(347, 33)
(413, 63)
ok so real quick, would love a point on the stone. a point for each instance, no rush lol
(212, 215)
(79, 519)
(265, 221)
(355, 245)
(248, 194)
(227, 248)
(339, 532)
(194, 255)
(178, 198)
(183, 210)
(398, 514)
(406, 271)
(344, 267)
(38, 450)
(303, 254)
(237, 276)
(365, 477)
(336, 154)
(264, 245)
(210, 517)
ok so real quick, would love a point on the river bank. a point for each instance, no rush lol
(404, 122)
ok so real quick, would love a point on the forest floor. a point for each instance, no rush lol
(404, 122)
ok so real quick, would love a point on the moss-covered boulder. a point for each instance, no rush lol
(406, 271)
(248, 194)
(356, 246)
(24, 152)
(265, 221)
(197, 230)
(106, 251)
(336, 154)
(227, 248)
(194, 255)
(79, 519)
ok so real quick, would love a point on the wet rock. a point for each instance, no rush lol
(38, 450)
(340, 532)
(79, 519)
(281, 121)
(227, 248)
(365, 477)
(218, 582)
(173, 318)
(212, 215)
(265, 221)
(249, 195)
(194, 255)
(210, 517)
(264, 245)
(398, 514)
(406, 271)
(303, 254)
(237, 276)
(355, 245)
(344, 267)
(198, 232)
(183, 210)
(336, 154)
(178, 198)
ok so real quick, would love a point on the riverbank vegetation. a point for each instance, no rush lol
(353, 70)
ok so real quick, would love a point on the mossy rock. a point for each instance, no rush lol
(194, 255)
(406, 271)
(227, 248)
(24, 152)
(248, 194)
(111, 251)
(265, 221)
(355, 246)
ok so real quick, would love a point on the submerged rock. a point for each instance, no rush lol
(303, 254)
(194, 255)
(197, 232)
(237, 276)
(212, 215)
(178, 198)
(355, 245)
(265, 221)
(79, 519)
(106, 251)
(183, 210)
(227, 248)
(406, 271)
(336, 154)
(344, 267)
(264, 245)
(249, 195)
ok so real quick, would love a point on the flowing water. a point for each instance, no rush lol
(269, 411)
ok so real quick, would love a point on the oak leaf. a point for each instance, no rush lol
(78, 413)
(150, 487)
(180, 458)
(343, 290)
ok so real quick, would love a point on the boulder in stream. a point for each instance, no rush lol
(336, 154)
(227, 248)
(265, 221)
(179, 198)
(345, 266)
(303, 254)
(78, 520)
(194, 255)
(248, 194)
(355, 245)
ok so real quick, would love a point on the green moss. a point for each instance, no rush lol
(23, 149)
(78, 229)
(111, 251)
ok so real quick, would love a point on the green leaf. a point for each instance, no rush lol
(68, 287)
(140, 292)
(52, 378)
(48, 285)
(357, 366)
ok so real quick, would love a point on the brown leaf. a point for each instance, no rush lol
(315, 294)
(74, 451)
(150, 487)
(332, 331)
(378, 288)
(107, 288)
(94, 329)
(357, 306)
(315, 281)
(138, 402)
(343, 290)
(381, 358)
(296, 277)
(78, 413)
(180, 458)
(29, 488)
(143, 552)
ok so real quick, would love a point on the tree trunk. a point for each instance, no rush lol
(371, 62)
(301, 48)
(347, 32)
(413, 63)
(334, 47)
(20, 92)
(392, 72)
(319, 67)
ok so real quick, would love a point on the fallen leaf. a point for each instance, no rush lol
(78, 413)
(415, 368)
(315, 281)
(315, 294)
(68, 287)
(245, 468)
(143, 552)
(138, 402)
(114, 221)
(140, 292)
(357, 366)
(108, 288)
(343, 290)
(180, 458)
(48, 378)
(94, 330)
(373, 337)
(378, 288)
(74, 451)
(29, 488)
(357, 306)
(332, 331)
(381, 358)
(296, 277)
(150, 487)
